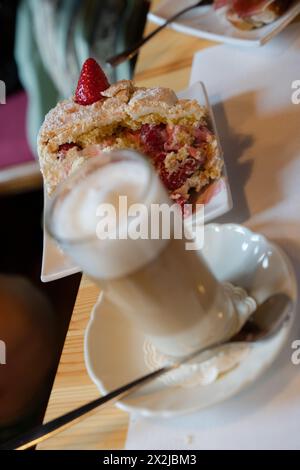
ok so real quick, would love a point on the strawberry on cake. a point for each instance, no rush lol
(174, 134)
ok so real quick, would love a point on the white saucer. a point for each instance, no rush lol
(114, 347)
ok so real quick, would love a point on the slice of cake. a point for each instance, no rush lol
(174, 134)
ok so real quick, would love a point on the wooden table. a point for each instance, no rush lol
(166, 61)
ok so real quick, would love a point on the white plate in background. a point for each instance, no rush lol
(217, 199)
(204, 22)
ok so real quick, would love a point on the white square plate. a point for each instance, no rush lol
(217, 200)
(204, 22)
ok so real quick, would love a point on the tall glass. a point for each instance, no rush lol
(168, 291)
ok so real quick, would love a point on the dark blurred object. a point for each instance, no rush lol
(36, 310)
(8, 68)
(118, 32)
(138, 25)
(28, 327)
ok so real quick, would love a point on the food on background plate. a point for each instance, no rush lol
(251, 14)
(174, 134)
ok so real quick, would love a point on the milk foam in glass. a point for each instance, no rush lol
(166, 290)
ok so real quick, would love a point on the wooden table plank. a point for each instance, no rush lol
(166, 61)
(73, 387)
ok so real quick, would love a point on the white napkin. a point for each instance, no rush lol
(260, 134)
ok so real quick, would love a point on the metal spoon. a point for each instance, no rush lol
(133, 50)
(263, 324)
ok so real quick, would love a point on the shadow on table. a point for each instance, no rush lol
(234, 146)
(274, 147)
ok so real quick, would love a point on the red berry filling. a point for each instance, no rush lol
(153, 137)
(176, 179)
(64, 148)
(158, 140)
(177, 152)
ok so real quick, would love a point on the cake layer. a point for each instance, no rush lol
(173, 133)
